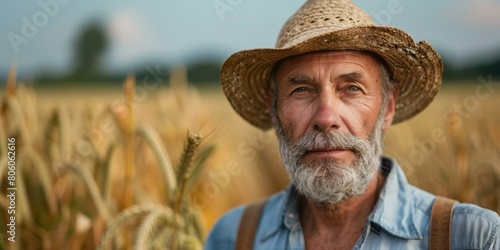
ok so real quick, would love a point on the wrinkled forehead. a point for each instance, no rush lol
(328, 53)
(309, 58)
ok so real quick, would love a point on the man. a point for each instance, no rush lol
(334, 83)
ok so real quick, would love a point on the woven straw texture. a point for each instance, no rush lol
(333, 25)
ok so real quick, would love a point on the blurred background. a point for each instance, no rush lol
(65, 98)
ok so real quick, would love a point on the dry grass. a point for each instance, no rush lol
(113, 170)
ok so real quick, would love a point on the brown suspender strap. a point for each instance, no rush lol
(248, 225)
(440, 228)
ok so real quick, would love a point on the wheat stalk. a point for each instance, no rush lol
(59, 121)
(3, 153)
(27, 98)
(93, 189)
(193, 222)
(18, 120)
(129, 157)
(65, 134)
(153, 139)
(103, 176)
(189, 242)
(43, 172)
(12, 104)
(24, 203)
(11, 80)
(199, 163)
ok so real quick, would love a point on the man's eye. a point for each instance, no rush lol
(353, 88)
(300, 89)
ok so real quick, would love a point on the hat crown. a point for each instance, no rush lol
(318, 17)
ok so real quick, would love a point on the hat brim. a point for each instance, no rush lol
(416, 68)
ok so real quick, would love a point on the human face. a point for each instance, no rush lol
(334, 91)
(323, 176)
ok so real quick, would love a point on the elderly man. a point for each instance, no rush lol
(334, 83)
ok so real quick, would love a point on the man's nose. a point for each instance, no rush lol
(327, 115)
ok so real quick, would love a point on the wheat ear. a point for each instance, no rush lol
(185, 167)
(153, 139)
(163, 237)
(129, 216)
(150, 225)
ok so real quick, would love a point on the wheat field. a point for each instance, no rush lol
(149, 168)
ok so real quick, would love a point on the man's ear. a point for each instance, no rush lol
(391, 108)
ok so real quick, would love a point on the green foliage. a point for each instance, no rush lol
(90, 46)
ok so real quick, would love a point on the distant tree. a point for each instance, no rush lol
(204, 71)
(471, 72)
(89, 48)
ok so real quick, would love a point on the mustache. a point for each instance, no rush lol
(326, 140)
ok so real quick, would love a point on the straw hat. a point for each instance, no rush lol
(333, 25)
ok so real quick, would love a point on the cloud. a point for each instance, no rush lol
(483, 13)
(125, 26)
(133, 38)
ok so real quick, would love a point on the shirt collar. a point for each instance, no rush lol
(283, 210)
(394, 210)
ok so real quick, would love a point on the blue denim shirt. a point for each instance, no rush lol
(399, 220)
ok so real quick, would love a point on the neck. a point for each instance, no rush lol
(339, 222)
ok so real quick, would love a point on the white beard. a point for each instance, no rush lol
(325, 181)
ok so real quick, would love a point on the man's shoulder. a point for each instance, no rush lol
(474, 222)
(223, 233)
(461, 211)
(424, 200)
(473, 227)
(468, 210)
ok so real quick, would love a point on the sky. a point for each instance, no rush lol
(39, 35)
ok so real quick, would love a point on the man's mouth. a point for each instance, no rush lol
(327, 152)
